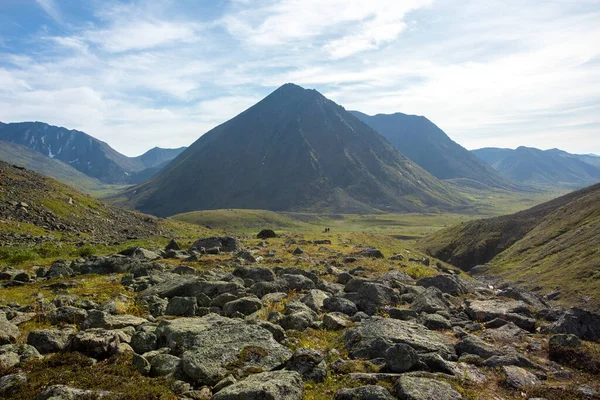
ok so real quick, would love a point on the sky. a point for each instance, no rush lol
(139, 74)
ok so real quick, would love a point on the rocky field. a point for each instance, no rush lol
(288, 318)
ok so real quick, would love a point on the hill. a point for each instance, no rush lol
(553, 167)
(83, 152)
(294, 150)
(430, 147)
(27, 158)
(553, 244)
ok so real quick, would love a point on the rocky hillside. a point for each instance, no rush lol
(136, 326)
(83, 152)
(294, 150)
(549, 246)
(430, 147)
(554, 168)
(36, 208)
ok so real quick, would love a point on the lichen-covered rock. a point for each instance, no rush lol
(63, 392)
(164, 364)
(430, 301)
(8, 331)
(96, 343)
(416, 388)
(581, 323)
(179, 334)
(519, 378)
(51, 340)
(309, 363)
(12, 354)
(143, 342)
(224, 243)
(182, 306)
(244, 306)
(67, 315)
(101, 319)
(474, 345)
(9, 383)
(257, 274)
(280, 385)
(401, 358)
(515, 311)
(340, 304)
(451, 284)
(372, 392)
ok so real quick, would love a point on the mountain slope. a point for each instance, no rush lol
(423, 142)
(31, 159)
(553, 244)
(294, 150)
(83, 152)
(542, 167)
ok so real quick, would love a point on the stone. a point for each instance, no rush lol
(141, 364)
(417, 388)
(9, 383)
(451, 284)
(244, 306)
(576, 321)
(257, 274)
(225, 382)
(476, 346)
(339, 304)
(229, 348)
(8, 331)
(266, 234)
(50, 340)
(519, 378)
(436, 322)
(314, 299)
(63, 392)
(182, 306)
(225, 243)
(179, 334)
(335, 321)
(191, 286)
(363, 341)
(371, 392)
(143, 342)
(309, 363)
(371, 252)
(101, 319)
(96, 343)
(298, 316)
(280, 385)
(67, 315)
(13, 354)
(298, 282)
(173, 245)
(430, 301)
(514, 311)
(401, 358)
(164, 364)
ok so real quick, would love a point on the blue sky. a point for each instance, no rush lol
(161, 73)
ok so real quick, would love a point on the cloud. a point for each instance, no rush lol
(51, 8)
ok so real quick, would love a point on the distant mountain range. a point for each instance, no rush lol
(294, 150)
(423, 142)
(553, 245)
(85, 153)
(531, 166)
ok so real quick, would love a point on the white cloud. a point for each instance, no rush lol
(51, 8)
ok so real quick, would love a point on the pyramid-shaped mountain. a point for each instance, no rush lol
(426, 144)
(294, 150)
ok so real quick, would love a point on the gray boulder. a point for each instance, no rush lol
(280, 385)
(63, 392)
(9, 383)
(50, 340)
(101, 319)
(298, 316)
(309, 363)
(476, 346)
(257, 274)
(179, 334)
(224, 243)
(515, 311)
(436, 322)
(13, 354)
(451, 284)
(340, 304)
(416, 388)
(401, 358)
(581, 323)
(182, 306)
(143, 342)
(314, 299)
(8, 331)
(430, 301)
(371, 392)
(364, 340)
(96, 343)
(336, 321)
(519, 378)
(164, 364)
(67, 315)
(230, 348)
(244, 306)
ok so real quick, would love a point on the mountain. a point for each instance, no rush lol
(294, 150)
(27, 158)
(83, 152)
(551, 245)
(553, 167)
(427, 145)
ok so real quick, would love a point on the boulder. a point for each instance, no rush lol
(298, 282)
(365, 340)
(225, 243)
(401, 358)
(230, 348)
(101, 319)
(257, 274)
(515, 311)
(191, 286)
(266, 234)
(179, 334)
(436, 322)
(309, 363)
(50, 340)
(371, 252)
(476, 346)
(298, 316)
(314, 299)
(340, 304)
(173, 245)
(280, 385)
(8, 331)
(430, 301)
(143, 342)
(9, 383)
(336, 321)
(96, 343)
(182, 306)
(417, 388)
(451, 284)
(519, 378)
(372, 392)
(67, 315)
(244, 306)
(12, 354)
(60, 392)
(581, 323)
(164, 364)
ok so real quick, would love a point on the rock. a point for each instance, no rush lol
(12, 354)
(173, 245)
(364, 341)
(183, 270)
(225, 382)
(371, 252)
(298, 251)
(430, 301)
(335, 321)
(519, 378)
(397, 257)
(396, 279)
(314, 299)
(339, 304)
(277, 331)
(401, 313)
(96, 343)
(298, 316)
(450, 284)
(59, 269)
(245, 306)
(416, 388)
(182, 306)
(164, 364)
(8, 331)
(298, 282)
(266, 234)
(156, 305)
(516, 293)
(436, 322)
(67, 315)
(246, 255)
(261, 289)
(191, 286)
(476, 346)
(371, 392)
(230, 348)
(143, 342)
(280, 385)
(9, 383)
(141, 364)
(372, 297)
(401, 358)
(579, 322)
(100, 319)
(63, 392)
(179, 334)
(309, 363)
(49, 340)
(515, 311)
(257, 274)
(225, 243)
